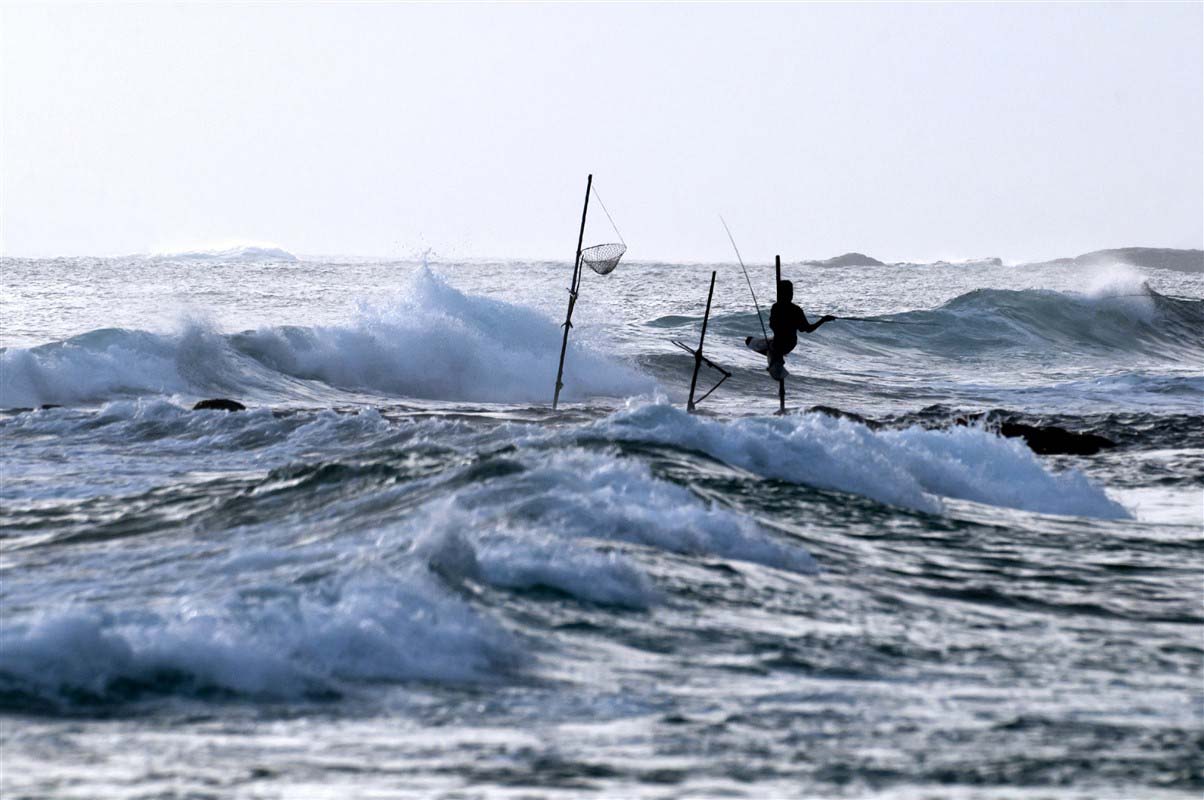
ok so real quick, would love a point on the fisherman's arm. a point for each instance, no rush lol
(807, 327)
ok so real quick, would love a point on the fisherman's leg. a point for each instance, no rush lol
(777, 359)
(777, 366)
(759, 345)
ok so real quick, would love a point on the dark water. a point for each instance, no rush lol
(400, 574)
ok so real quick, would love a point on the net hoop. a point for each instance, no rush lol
(603, 258)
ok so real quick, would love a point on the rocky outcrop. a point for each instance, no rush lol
(219, 404)
(1046, 440)
(849, 260)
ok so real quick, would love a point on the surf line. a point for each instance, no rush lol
(601, 258)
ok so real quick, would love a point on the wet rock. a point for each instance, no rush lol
(872, 424)
(1050, 440)
(1045, 440)
(219, 404)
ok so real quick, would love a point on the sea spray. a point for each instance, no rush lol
(430, 342)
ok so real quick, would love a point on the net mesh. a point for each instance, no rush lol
(603, 258)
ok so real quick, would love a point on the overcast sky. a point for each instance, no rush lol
(903, 131)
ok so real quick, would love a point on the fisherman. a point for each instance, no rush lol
(785, 320)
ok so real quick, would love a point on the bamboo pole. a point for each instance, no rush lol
(573, 288)
(777, 287)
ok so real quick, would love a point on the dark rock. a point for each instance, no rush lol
(872, 424)
(1049, 440)
(1045, 440)
(219, 404)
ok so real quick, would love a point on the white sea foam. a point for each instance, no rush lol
(911, 468)
(1115, 280)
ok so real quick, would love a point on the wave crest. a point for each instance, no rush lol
(433, 342)
(291, 644)
(913, 468)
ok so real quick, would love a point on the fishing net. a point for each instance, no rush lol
(603, 258)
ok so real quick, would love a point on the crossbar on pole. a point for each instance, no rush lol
(701, 338)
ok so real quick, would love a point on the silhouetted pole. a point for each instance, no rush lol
(698, 353)
(568, 317)
(777, 285)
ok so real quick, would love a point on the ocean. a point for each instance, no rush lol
(400, 573)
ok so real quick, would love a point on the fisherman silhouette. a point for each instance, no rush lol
(785, 320)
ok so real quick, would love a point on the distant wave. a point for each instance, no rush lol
(1147, 257)
(433, 343)
(248, 253)
(1121, 316)
(1118, 318)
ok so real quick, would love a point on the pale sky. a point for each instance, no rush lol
(904, 131)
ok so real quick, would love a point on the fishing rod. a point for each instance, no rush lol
(1151, 295)
(1102, 297)
(748, 280)
(881, 321)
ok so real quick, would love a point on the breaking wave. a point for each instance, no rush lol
(1117, 316)
(382, 580)
(433, 343)
(1121, 316)
(283, 643)
(913, 467)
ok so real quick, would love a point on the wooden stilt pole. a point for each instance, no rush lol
(573, 288)
(698, 353)
(777, 287)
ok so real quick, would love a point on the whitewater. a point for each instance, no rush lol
(400, 573)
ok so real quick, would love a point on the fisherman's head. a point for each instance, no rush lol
(785, 291)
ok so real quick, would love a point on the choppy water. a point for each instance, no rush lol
(400, 574)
